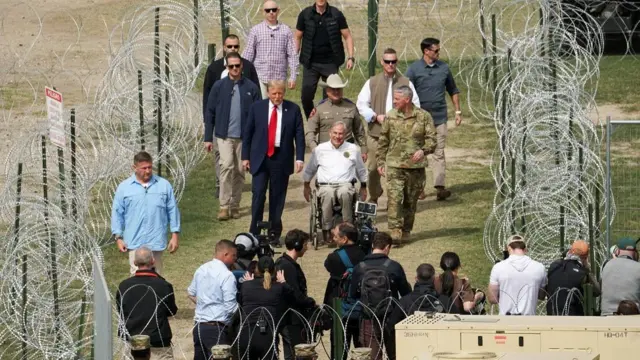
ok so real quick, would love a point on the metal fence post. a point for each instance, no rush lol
(224, 18)
(607, 187)
(372, 21)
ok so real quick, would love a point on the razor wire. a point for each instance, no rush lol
(147, 75)
(60, 216)
(546, 165)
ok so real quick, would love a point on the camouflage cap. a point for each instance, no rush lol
(221, 352)
(305, 350)
(140, 342)
(361, 353)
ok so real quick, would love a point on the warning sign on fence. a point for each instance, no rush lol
(55, 116)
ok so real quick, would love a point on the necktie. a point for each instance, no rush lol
(273, 125)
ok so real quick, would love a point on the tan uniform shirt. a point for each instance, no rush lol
(328, 113)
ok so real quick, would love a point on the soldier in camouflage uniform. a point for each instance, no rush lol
(406, 138)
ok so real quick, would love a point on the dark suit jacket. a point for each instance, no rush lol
(213, 73)
(255, 135)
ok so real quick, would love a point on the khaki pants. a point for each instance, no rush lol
(329, 194)
(263, 89)
(373, 183)
(162, 353)
(438, 162)
(157, 256)
(231, 172)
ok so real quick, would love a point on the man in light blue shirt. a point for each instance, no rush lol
(143, 207)
(213, 290)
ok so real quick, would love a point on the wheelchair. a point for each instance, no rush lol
(315, 215)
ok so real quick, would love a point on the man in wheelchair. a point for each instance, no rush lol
(337, 165)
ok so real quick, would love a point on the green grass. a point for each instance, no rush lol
(619, 82)
(454, 225)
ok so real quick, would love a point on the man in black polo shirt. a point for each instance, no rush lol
(145, 302)
(347, 256)
(297, 243)
(362, 289)
(321, 28)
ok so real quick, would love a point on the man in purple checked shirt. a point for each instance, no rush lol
(271, 48)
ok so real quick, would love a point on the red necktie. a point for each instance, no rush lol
(273, 125)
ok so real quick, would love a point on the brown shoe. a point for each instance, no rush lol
(223, 214)
(406, 235)
(235, 213)
(442, 194)
(396, 236)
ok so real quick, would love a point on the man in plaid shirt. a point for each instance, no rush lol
(270, 47)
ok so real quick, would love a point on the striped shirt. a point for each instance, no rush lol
(271, 49)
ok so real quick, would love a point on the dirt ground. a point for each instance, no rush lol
(40, 42)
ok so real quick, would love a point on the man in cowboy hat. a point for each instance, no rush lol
(336, 108)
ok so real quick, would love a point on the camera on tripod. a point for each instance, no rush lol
(266, 239)
(365, 215)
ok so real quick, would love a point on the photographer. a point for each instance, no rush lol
(340, 264)
(296, 241)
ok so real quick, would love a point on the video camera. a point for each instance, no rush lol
(364, 217)
(266, 239)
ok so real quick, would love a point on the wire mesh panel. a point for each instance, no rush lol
(623, 168)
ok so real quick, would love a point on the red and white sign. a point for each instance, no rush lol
(55, 115)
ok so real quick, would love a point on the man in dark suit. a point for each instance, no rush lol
(273, 127)
(216, 71)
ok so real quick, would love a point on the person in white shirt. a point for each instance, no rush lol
(517, 282)
(374, 101)
(213, 291)
(337, 164)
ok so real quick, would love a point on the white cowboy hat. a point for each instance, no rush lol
(333, 81)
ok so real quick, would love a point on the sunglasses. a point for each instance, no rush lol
(435, 51)
(234, 66)
(390, 62)
(272, 10)
(233, 46)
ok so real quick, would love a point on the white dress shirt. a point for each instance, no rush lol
(279, 126)
(224, 72)
(335, 165)
(214, 287)
(364, 100)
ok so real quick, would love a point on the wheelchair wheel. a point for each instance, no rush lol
(313, 224)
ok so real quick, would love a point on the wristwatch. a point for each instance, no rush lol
(458, 112)
(351, 58)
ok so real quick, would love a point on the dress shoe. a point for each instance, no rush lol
(235, 213)
(406, 235)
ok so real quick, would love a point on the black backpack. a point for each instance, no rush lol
(375, 289)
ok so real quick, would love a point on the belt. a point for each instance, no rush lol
(219, 323)
(334, 183)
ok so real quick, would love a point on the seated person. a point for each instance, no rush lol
(335, 108)
(627, 307)
(337, 164)
(455, 293)
(423, 297)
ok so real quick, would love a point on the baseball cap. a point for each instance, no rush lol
(140, 342)
(627, 243)
(580, 248)
(514, 238)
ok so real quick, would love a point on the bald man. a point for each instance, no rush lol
(145, 302)
(271, 48)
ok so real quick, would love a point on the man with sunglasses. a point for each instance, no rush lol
(218, 70)
(374, 101)
(270, 47)
(227, 109)
(432, 78)
(320, 29)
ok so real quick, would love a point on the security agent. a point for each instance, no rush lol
(297, 242)
(345, 235)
